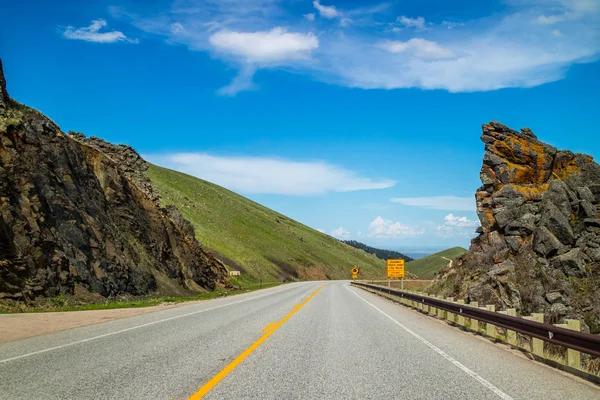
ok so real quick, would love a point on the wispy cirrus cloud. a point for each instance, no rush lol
(92, 33)
(269, 175)
(532, 43)
(419, 48)
(329, 12)
(451, 203)
(407, 22)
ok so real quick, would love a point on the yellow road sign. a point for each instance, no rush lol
(395, 268)
(354, 271)
(354, 276)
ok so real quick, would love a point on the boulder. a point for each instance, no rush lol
(584, 193)
(557, 223)
(546, 244)
(523, 226)
(554, 297)
(571, 263)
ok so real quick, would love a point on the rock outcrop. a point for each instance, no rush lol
(538, 248)
(79, 215)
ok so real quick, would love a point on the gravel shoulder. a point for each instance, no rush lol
(21, 326)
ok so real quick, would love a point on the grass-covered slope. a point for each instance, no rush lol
(427, 267)
(260, 242)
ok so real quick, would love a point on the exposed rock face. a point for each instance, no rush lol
(3, 93)
(540, 226)
(80, 214)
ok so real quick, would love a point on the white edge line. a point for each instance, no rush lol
(470, 372)
(134, 327)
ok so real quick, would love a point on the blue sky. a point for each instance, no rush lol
(358, 118)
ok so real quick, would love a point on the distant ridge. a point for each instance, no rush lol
(379, 253)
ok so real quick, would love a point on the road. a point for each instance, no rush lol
(310, 340)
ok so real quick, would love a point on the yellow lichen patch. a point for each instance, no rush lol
(563, 170)
(530, 192)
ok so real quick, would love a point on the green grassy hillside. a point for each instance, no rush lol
(427, 267)
(260, 242)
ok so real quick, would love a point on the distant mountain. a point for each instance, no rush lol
(428, 267)
(379, 253)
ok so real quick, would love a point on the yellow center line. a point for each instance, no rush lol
(207, 387)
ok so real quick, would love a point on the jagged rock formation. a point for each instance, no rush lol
(538, 247)
(79, 214)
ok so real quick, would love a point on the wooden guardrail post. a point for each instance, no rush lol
(449, 315)
(490, 329)
(511, 336)
(474, 322)
(573, 356)
(537, 345)
(432, 310)
(441, 313)
(460, 320)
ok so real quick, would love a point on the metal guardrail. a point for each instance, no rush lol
(580, 341)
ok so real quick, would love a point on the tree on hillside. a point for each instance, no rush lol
(379, 253)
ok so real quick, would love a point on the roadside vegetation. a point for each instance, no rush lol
(62, 302)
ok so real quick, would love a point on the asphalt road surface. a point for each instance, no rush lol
(312, 340)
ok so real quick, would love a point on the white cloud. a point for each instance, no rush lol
(265, 46)
(452, 203)
(549, 20)
(417, 23)
(328, 12)
(385, 229)
(557, 33)
(419, 48)
(455, 225)
(92, 33)
(269, 175)
(309, 16)
(321, 230)
(452, 25)
(345, 22)
(340, 233)
(455, 220)
(504, 50)
(177, 28)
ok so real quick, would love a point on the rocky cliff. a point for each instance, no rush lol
(538, 248)
(79, 215)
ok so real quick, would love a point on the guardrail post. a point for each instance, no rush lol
(573, 356)
(449, 315)
(474, 322)
(430, 308)
(490, 329)
(441, 313)
(460, 319)
(511, 336)
(537, 345)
